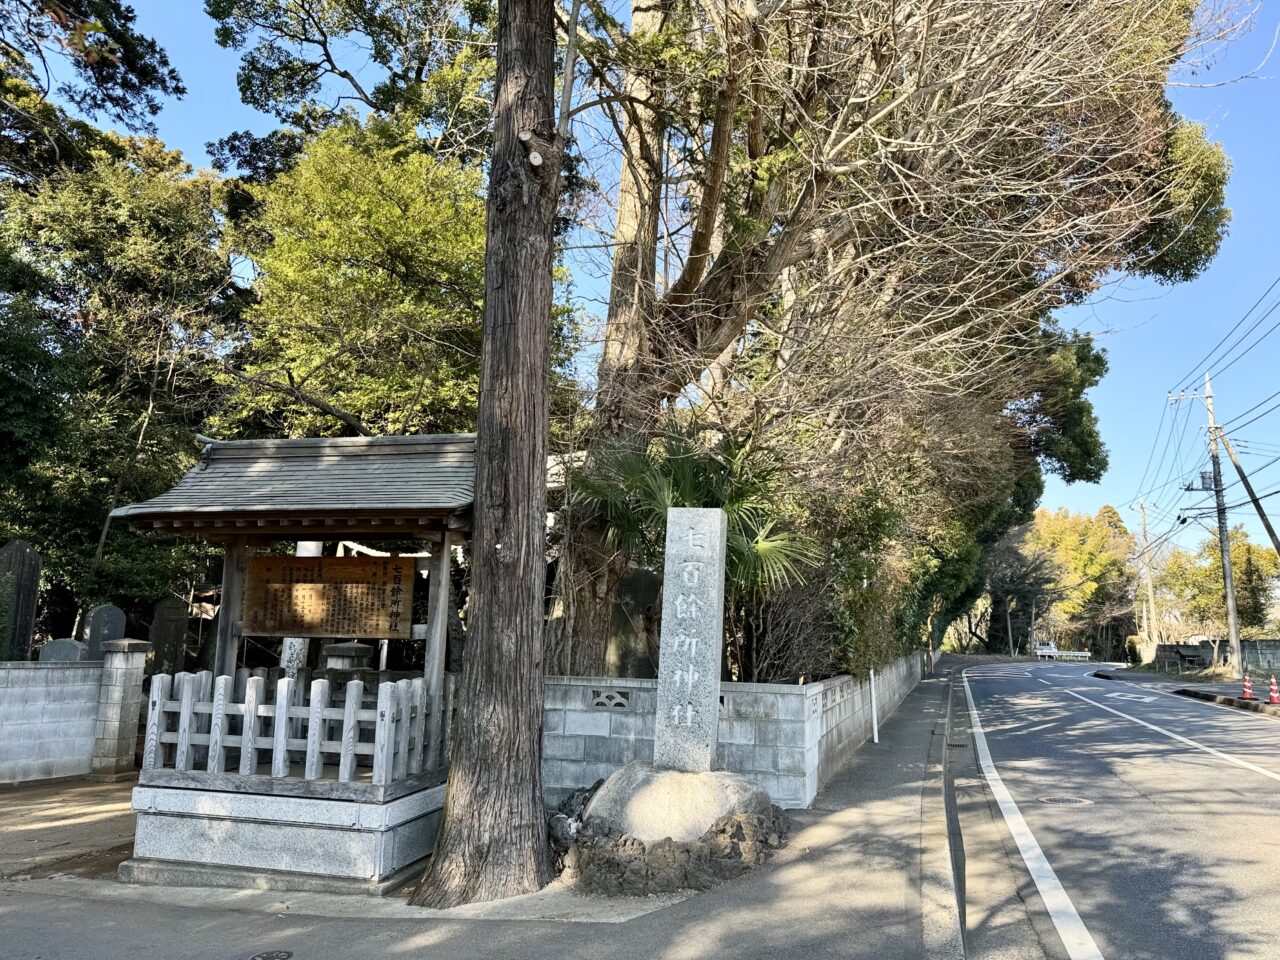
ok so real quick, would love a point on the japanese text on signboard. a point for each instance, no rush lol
(351, 597)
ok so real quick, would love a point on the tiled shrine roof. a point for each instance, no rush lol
(385, 485)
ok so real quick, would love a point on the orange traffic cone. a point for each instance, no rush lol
(1275, 691)
(1248, 689)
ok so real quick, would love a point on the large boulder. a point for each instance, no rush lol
(651, 804)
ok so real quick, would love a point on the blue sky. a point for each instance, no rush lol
(1153, 335)
(1156, 335)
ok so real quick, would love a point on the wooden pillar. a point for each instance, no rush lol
(235, 559)
(437, 629)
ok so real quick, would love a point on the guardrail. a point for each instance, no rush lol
(1051, 653)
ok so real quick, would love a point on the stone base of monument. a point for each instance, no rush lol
(209, 838)
(649, 830)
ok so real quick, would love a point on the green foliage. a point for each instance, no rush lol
(631, 489)
(1193, 581)
(371, 285)
(115, 293)
(423, 61)
(1191, 222)
(1058, 417)
(119, 73)
(37, 137)
(37, 371)
(1091, 556)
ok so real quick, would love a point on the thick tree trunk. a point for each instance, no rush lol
(493, 840)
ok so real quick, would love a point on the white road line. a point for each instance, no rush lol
(1075, 935)
(1045, 682)
(1180, 738)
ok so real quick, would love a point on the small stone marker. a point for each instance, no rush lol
(688, 715)
(63, 649)
(104, 623)
(19, 594)
(168, 634)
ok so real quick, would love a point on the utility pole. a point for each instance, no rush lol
(1248, 488)
(1008, 622)
(1031, 631)
(1224, 542)
(1152, 631)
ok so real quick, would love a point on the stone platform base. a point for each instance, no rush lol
(169, 873)
(205, 837)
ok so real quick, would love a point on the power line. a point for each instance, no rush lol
(1247, 350)
(1199, 364)
(1251, 409)
(1264, 413)
(1155, 440)
(1173, 429)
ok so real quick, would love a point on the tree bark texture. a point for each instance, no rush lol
(493, 839)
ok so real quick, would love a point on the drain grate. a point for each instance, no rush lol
(1065, 801)
(272, 955)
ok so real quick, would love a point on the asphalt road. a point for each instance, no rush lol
(1175, 853)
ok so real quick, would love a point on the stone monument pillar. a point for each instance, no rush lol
(168, 634)
(293, 650)
(692, 635)
(19, 594)
(103, 624)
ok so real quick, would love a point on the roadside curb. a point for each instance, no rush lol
(941, 849)
(1253, 706)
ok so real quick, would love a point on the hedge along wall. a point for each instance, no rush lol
(787, 739)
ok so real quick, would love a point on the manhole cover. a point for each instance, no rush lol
(272, 955)
(1065, 801)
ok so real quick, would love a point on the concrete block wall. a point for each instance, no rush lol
(119, 707)
(48, 713)
(67, 719)
(787, 739)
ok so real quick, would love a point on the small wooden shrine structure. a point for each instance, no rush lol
(231, 759)
(247, 494)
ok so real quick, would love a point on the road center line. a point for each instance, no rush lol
(1180, 738)
(1075, 935)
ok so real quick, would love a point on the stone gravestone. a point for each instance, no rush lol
(62, 649)
(692, 635)
(19, 592)
(104, 623)
(168, 634)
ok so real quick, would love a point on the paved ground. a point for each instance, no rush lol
(1176, 852)
(848, 887)
(74, 827)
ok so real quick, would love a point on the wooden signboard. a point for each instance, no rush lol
(351, 597)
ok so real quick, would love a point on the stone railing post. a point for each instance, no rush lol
(119, 703)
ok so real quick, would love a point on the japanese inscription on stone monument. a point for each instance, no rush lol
(688, 717)
(356, 597)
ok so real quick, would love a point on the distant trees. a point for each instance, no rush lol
(1189, 587)
(1075, 571)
